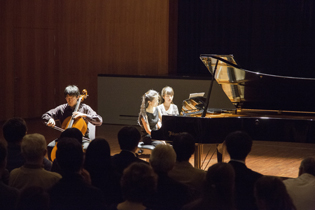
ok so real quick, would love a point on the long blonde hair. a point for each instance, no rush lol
(148, 96)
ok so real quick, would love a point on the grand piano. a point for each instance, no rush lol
(267, 107)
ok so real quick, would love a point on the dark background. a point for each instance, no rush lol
(47, 45)
(275, 37)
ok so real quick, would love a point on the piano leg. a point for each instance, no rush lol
(220, 152)
(197, 156)
(220, 149)
(219, 156)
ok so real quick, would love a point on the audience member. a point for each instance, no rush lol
(68, 133)
(72, 133)
(218, 191)
(183, 171)
(302, 188)
(8, 195)
(33, 148)
(170, 194)
(238, 145)
(128, 139)
(103, 176)
(271, 194)
(14, 130)
(33, 198)
(72, 191)
(138, 185)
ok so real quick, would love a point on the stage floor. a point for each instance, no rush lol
(269, 158)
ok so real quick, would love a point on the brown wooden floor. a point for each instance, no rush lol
(269, 158)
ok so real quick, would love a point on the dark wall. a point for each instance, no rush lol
(270, 36)
(47, 45)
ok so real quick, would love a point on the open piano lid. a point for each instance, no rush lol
(255, 91)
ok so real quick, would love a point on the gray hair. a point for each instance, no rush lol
(33, 146)
(163, 158)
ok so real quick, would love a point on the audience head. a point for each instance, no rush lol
(97, 155)
(69, 155)
(307, 166)
(219, 186)
(238, 145)
(184, 146)
(271, 194)
(33, 147)
(72, 90)
(128, 138)
(72, 133)
(163, 158)
(14, 130)
(35, 198)
(220, 177)
(138, 182)
(3, 155)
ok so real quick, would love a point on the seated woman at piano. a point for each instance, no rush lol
(168, 107)
(150, 117)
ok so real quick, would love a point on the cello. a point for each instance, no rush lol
(71, 122)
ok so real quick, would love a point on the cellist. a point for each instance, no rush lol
(64, 112)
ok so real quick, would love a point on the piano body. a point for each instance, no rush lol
(267, 107)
